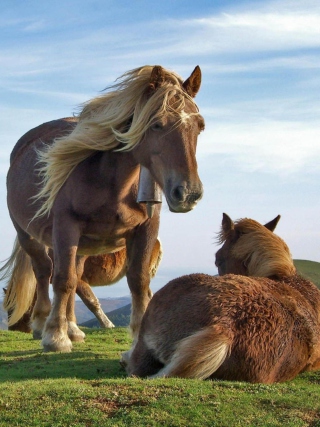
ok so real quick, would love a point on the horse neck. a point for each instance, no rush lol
(119, 169)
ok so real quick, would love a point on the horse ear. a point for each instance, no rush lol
(227, 224)
(157, 78)
(193, 83)
(272, 224)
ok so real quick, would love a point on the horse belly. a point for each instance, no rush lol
(89, 245)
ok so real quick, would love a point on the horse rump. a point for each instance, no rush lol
(197, 356)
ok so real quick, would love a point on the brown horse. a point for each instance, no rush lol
(73, 183)
(99, 270)
(258, 329)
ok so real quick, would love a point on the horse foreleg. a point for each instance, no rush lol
(91, 301)
(55, 335)
(139, 252)
(140, 301)
(74, 333)
(65, 239)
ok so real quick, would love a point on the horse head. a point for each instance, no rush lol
(168, 147)
(252, 249)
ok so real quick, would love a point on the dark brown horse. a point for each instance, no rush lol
(73, 183)
(99, 270)
(234, 327)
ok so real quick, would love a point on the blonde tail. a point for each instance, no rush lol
(21, 286)
(199, 355)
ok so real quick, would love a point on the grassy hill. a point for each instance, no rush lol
(88, 388)
(119, 317)
(309, 269)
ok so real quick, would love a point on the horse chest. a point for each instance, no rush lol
(107, 230)
(116, 217)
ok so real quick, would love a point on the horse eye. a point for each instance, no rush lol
(219, 262)
(157, 126)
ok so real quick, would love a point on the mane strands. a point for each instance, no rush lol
(116, 120)
(264, 253)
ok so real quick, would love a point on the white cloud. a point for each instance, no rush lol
(266, 26)
(269, 146)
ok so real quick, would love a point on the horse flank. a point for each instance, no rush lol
(117, 119)
(264, 253)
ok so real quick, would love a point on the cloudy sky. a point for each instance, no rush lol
(260, 153)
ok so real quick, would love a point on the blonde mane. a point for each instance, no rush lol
(117, 120)
(264, 253)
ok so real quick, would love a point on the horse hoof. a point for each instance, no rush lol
(108, 325)
(125, 357)
(77, 338)
(58, 343)
(74, 333)
(37, 335)
(54, 347)
(123, 363)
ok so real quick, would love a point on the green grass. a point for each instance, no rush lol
(309, 269)
(89, 388)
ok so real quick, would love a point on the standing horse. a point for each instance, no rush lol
(259, 329)
(99, 270)
(73, 183)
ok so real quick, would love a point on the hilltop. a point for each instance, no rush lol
(309, 269)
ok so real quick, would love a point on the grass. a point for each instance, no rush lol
(89, 388)
(309, 269)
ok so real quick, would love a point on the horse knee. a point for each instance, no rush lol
(63, 283)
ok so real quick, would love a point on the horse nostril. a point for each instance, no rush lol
(178, 193)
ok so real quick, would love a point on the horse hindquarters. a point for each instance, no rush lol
(197, 356)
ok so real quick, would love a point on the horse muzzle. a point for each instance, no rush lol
(182, 199)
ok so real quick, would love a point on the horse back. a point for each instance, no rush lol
(46, 132)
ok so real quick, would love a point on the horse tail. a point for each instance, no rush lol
(21, 286)
(199, 355)
(156, 257)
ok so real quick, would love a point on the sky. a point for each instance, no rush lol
(259, 155)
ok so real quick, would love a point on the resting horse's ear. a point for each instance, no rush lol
(157, 78)
(193, 83)
(272, 224)
(227, 224)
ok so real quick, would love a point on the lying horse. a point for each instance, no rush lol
(72, 186)
(99, 270)
(262, 329)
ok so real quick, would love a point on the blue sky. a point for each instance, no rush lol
(260, 153)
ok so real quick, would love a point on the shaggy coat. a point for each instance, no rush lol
(233, 327)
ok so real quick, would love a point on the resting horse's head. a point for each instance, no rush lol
(168, 147)
(252, 249)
